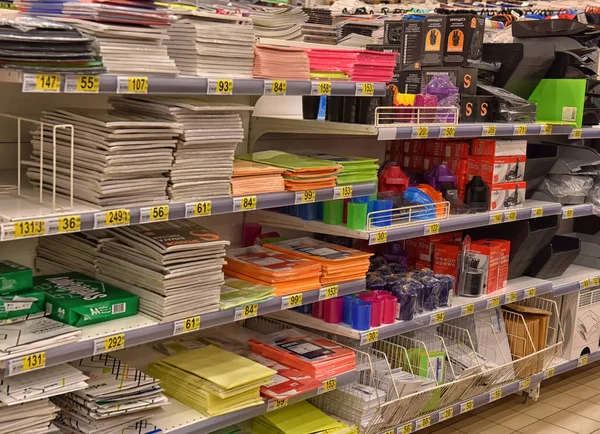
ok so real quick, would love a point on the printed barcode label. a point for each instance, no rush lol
(275, 87)
(221, 86)
(109, 343)
(274, 404)
(423, 423)
(342, 192)
(27, 363)
(155, 213)
(328, 292)
(569, 114)
(195, 209)
(119, 308)
(41, 83)
(11, 306)
(467, 406)
(82, 84)
(132, 84)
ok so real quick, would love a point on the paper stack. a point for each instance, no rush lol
(208, 44)
(280, 62)
(34, 335)
(36, 44)
(118, 159)
(203, 163)
(250, 177)
(300, 418)
(117, 396)
(355, 169)
(211, 380)
(318, 357)
(278, 23)
(33, 417)
(303, 173)
(357, 65)
(70, 252)
(338, 263)
(174, 267)
(237, 292)
(288, 274)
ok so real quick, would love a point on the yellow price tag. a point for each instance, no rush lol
(525, 383)
(137, 85)
(250, 310)
(496, 395)
(276, 404)
(576, 133)
(367, 89)
(583, 360)
(511, 297)
(324, 88)
(331, 291)
(446, 414)
(469, 309)
(88, 83)
(380, 237)
(521, 130)
(549, 373)
(115, 342)
(309, 196)
(34, 361)
(467, 406)
(345, 191)
(247, 203)
(423, 423)
(371, 336)
(191, 324)
(203, 208)
(493, 302)
(422, 132)
(432, 229)
(47, 82)
(595, 281)
(530, 292)
(158, 213)
(224, 86)
(568, 213)
(294, 300)
(511, 216)
(437, 317)
(278, 87)
(585, 284)
(29, 228)
(547, 129)
(537, 212)
(407, 429)
(69, 224)
(117, 217)
(448, 131)
(329, 384)
(496, 218)
(489, 130)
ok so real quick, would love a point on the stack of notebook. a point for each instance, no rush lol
(128, 48)
(208, 44)
(32, 417)
(211, 380)
(203, 162)
(300, 418)
(355, 169)
(280, 62)
(288, 274)
(278, 23)
(353, 65)
(250, 177)
(36, 44)
(237, 292)
(338, 263)
(70, 252)
(302, 173)
(174, 267)
(117, 396)
(318, 357)
(119, 159)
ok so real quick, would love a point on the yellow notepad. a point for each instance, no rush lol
(300, 418)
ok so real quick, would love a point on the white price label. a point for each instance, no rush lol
(109, 343)
(328, 292)
(342, 192)
(245, 203)
(82, 84)
(187, 325)
(41, 83)
(219, 86)
(154, 214)
(290, 301)
(306, 196)
(275, 87)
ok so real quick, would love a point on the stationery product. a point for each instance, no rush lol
(14, 277)
(174, 267)
(338, 263)
(362, 401)
(237, 292)
(79, 300)
(210, 132)
(207, 44)
(35, 416)
(353, 65)
(280, 63)
(287, 273)
(198, 379)
(354, 169)
(120, 159)
(117, 396)
(278, 22)
(21, 306)
(249, 177)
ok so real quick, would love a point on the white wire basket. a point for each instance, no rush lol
(407, 116)
(397, 217)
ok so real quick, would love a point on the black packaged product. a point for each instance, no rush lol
(447, 289)
(412, 45)
(393, 32)
(468, 109)
(432, 289)
(433, 40)
(407, 82)
(510, 107)
(407, 299)
(464, 40)
(375, 281)
(486, 105)
(463, 78)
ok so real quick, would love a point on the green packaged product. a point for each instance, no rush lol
(21, 306)
(14, 277)
(78, 300)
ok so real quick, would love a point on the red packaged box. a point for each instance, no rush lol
(446, 257)
(498, 148)
(503, 262)
(420, 265)
(412, 246)
(415, 162)
(509, 195)
(497, 170)
(413, 147)
(488, 255)
(426, 244)
(448, 149)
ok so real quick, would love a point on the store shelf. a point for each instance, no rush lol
(574, 279)
(15, 209)
(186, 85)
(574, 211)
(140, 329)
(532, 209)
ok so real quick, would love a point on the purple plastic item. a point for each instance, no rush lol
(447, 96)
(438, 175)
(425, 116)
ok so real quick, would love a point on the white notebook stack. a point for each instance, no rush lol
(118, 396)
(174, 267)
(279, 23)
(129, 48)
(32, 417)
(203, 164)
(207, 44)
(70, 252)
(118, 159)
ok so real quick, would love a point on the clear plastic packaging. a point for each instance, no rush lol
(568, 185)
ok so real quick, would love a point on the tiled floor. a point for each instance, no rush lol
(569, 403)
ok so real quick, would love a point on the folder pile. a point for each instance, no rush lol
(354, 169)
(302, 173)
(280, 62)
(250, 177)
(117, 395)
(237, 292)
(338, 263)
(32, 417)
(318, 357)
(357, 65)
(300, 418)
(174, 267)
(211, 380)
(288, 274)
(278, 22)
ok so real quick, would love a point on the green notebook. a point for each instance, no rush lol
(299, 418)
(288, 161)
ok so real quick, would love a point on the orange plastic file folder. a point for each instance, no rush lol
(282, 288)
(295, 186)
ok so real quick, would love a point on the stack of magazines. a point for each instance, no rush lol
(31, 417)
(174, 267)
(118, 395)
(203, 162)
(212, 45)
(70, 252)
(278, 23)
(277, 62)
(118, 159)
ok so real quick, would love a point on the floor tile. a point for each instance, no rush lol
(577, 390)
(473, 425)
(541, 427)
(559, 400)
(587, 409)
(510, 418)
(539, 409)
(573, 422)
(496, 429)
(447, 430)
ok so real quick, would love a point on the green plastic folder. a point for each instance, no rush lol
(559, 101)
(286, 160)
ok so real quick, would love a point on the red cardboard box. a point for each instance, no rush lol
(447, 149)
(503, 261)
(497, 170)
(426, 245)
(509, 195)
(489, 255)
(420, 265)
(413, 147)
(446, 257)
(498, 148)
